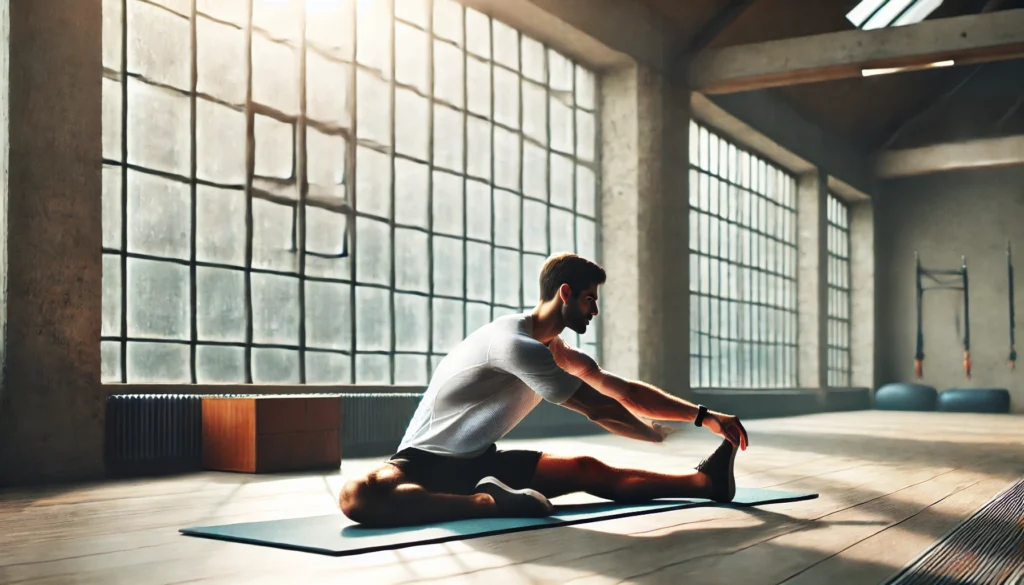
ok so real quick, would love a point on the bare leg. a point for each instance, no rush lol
(385, 498)
(557, 476)
(713, 479)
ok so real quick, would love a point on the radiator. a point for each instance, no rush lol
(153, 434)
(373, 424)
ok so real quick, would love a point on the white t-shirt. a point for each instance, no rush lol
(485, 386)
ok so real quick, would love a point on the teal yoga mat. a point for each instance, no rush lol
(337, 536)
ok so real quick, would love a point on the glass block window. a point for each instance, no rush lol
(743, 267)
(330, 191)
(838, 292)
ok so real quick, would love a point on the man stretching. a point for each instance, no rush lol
(448, 467)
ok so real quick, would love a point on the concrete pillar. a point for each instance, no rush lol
(5, 119)
(51, 409)
(862, 295)
(674, 301)
(644, 228)
(812, 280)
(627, 171)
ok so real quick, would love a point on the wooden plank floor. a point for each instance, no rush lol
(890, 485)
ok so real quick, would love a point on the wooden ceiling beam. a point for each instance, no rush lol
(976, 38)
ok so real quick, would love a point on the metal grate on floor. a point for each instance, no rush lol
(986, 549)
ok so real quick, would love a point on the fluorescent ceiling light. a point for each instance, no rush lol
(918, 12)
(887, 14)
(873, 14)
(862, 11)
(887, 70)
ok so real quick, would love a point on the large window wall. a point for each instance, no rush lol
(838, 217)
(330, 191)
(743, 267)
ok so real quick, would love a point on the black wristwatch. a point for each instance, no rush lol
(702, 411)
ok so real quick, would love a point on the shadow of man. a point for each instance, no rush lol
(676, 550)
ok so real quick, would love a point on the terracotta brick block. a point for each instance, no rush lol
(271, 433)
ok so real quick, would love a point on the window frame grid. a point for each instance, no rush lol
(392, 229)
(193, 194)
(838, 271)
(349, 206)
(250, 171)
(751, 337)
(123, 365)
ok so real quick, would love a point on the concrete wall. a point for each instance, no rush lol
(51, 419)
(945, 216)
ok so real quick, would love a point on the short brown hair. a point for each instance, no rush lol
(567, 268)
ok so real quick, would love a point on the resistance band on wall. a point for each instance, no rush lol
(941, 281)
(1009, 273)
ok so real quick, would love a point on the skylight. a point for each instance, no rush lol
(871, 14)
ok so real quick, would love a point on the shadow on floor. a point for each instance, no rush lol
(779, 548)
(982, 456)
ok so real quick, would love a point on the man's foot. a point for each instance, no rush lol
(718, 468)
(512, 503)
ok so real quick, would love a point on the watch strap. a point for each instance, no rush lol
(702, 411)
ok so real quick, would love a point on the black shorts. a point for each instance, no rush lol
(457, 475)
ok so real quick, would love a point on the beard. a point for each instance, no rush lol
(574, 318)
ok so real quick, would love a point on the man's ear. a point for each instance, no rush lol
(565, 293)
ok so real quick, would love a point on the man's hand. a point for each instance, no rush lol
(727, 426)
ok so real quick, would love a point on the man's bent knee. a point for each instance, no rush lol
(363, 499)
(355, 499)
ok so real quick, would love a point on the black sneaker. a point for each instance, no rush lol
(525, 503)
(718, 467)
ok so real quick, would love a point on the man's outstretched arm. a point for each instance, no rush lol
(641, 398)
(644, 400)
(611, 415)
(651, 402)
